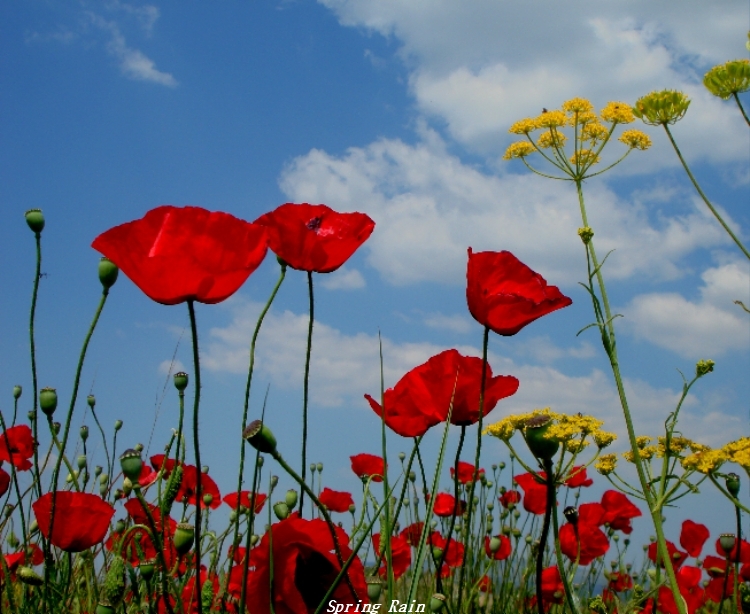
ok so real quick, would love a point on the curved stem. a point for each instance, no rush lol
(560, 562)
(550, 483)
(305, 386)
(742, 109)
(32, 344)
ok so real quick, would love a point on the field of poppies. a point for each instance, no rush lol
(137, 534)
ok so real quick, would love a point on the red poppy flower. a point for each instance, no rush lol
(678, 557)
(501, 553)
(81, 520)
(176, 254)
(466, 473)
(534, 493)
(510, 498)
(692, 537)
(366, 465)
(413, 533)
(160, 461)
(304, 567)
(719, 589)
(148, 476)
(578, 478)
(553, 589)
(4, 481)
(335, 500)
(688, 581)
(445, 505)
(589, 539)
(484, 584)
(454, 550)
(231, 500)
(17, 446)
(188, 492)
(619, 511)
(400, 555)
(315, 238)
(34, 556)
(620, 582)
(506, 295)
(744, 551)
(422, 397)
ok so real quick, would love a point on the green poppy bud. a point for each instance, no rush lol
(118, 425)
(84, 432)
(374, 588)
(320, 467)
(28, 576)
(495, 544)
(727, 542)
(127, 486)
(147, 569)
(313, 467)
(184, 536)
(352, 508)
(31, 415)
(281, 510)
(81, 461)
(732, 483)
(91, 400)
(260, 437)
(291, 498)
(437, 601)
(138, 447)
(108, 272)
(48, 400)
(104, 608)
(535, 431)
(131, 464)
(33, 527)
(17, 390)
(437, 553)
(120, 526)
(254, 539)
(35, 220)
(208, 499)
(180, 381)
(274, 481)
(401, 456)
(13, 540)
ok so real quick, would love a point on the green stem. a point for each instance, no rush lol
(452, 523)
(385, 535)
(550, 484)
(560, 562)
(305, 386)
(34, 384)
(742, 109)
(713, 210)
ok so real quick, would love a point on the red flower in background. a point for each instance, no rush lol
(589, 538)
(304, 566)
(366, 465)
(159, 461)
(578, 478)
(17, 446)
(501, 553)
(35, 556)
(188, 492)
(688, 581)
(315, 238)
(506, 295)
(400, 555)
(81, 520)
(620, 582)
(231, 500)
(693, 536)
(4, 481)
(466, 473)
(445, 505)
(619, 511)
(175, 254)
(744, 551)
(678, 557)
(422, 397)
(534, 493)
(413, 533)
(509, 498)
(454, 550)
(553, 589)
(335, 500)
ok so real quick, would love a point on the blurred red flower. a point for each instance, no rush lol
(501, 553)
(553, 589)
(678, 557)
(454, 550)
(422, 397)
(304, 566)
(231, 500)
(509, 498)
(400, 555)
(17, 446)
(413, 533)
(175, 254)
(34, 556)
(619, 511)
(81, 519)
(335, 500)
(484, 584)
(366, 465)
(688, 581)
(578, 478)
(188, 492)
(693, 536)
(744, 551)
(506, 295)
(466, 473)
(315, 238)
(159, 461)
(620, 582)
(4, 481)
(589, 538)
(534, 493)
(445, 505)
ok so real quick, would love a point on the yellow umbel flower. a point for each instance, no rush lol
(581, 119)
(574, 446)
(594, 131)
(603, 438)
(661, 108)
(577, 105)
(550, 119)
(635, 139)
(521, 149)
(676, 445)
(606, 463)
(551, 138)
(523, 126)
(643, 440)
(738, 451)
(584, 158)
(706, 461)
(617, 112)
(730, 78)
(507, 426)
(646, 453)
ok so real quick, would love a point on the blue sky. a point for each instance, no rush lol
(400, 110)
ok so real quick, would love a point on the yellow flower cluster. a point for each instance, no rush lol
(523, 126)
(551, 119)
(643, 440)
(552, 138)
(727, 79)
(606, 463)
(635, 139)
(617, 112)
(507, 426)
(594, 131)
(584, 157)
(603, 438)
(739, 452)
(521, 149)
(676, 445)
(583, 119)
(577, 105)
(646, 452)
(705, 461)
(574, 446)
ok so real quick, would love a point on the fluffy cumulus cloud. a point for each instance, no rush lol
(706, 326)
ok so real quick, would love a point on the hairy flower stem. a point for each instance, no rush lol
(697, 187)
(32, 344)
(610, 346)
(305, 387)
(196, 447)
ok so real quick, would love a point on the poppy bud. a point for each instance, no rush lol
(183, 538)
(84, 433)
(127, 486)
(437, 553)
(320, 467)
(35, 220)
(437, 601)
(114, 583)
(281, 510)
(495, 544)
(274, 481)
(291, 498)
(732, 483)
(727, 542)
(352, 508)
(412, 476)
(254, 539)
(81, 461)
(180, 381)
(313, 467)
(29, 576)
(118, 425)
(48, 400)
(108, 272)
(571, 514)
(91, 400)
(535, 431)
(401, 456)
(147, 569)
(33, 527)
(31, 415)
(138, 447)
(131, 464)
(13, 540)
(103, 607)
(208, 499)
(17, 390)
(374, 588)
(260, 437)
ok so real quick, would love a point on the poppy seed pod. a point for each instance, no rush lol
(291, 498)
(17, 390)
(48, 400)
(91, 400)
(208, 499)
(35, 220)
(118, 425)
(260, 437)
(727, 542)
(571, 514)
(184, 536)
(108, 272)
(281, 510)
(437, 601)
(180, 380)
(374, 588)
(103, 607)
(28, 576)
(131, 464)
(84, 432)
(495, 544)
(534, 433)
(147, 569)
(732, 483)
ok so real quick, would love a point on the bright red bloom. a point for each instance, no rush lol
(506, 295)
(315, 238)
(678, 557)
(715, 566)
(553, 589)
(176, 254)
(366, 465)
(744, 551)
(692, 537)
(454, 550)
(304, 566)
(34, 556)
(159, 461)
(534, 493)
(188, 491)
(4, 481)
(422, 397)
(620, 582)
(619, 511)
(17, 446)
(148, 476)
(81, 520)
(578, 478)
(445, 505)
(503, 552)
(688, 581)
(400, 555)
(466, 473)
(231, 500)
(590, 539)
(509, 498)
(335, 500)
(413, 533)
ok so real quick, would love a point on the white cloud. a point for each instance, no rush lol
(343, 279)
(542, 349)
(170, 367)
(703, 328)
(455, 323)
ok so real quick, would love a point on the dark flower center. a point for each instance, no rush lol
(313, 575)
(314, 225)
